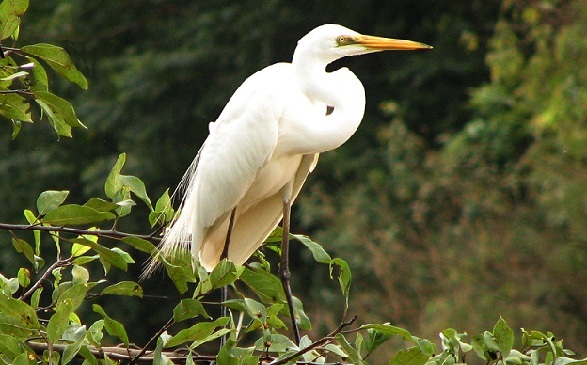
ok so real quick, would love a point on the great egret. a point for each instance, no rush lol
(265, 143)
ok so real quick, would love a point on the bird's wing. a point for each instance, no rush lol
(241, 141)
(264, 216)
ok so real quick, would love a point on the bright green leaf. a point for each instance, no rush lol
(74, 214)
(411, 356)
(101, 205)
(60, 107)
(23, 247)
(113, 327)
(59, 60)
(349, 350)
(124, 288)
(79, 274)
(189, 308)
(107, 255)
(38, 76)
(320, 255)
(196, 332)
(225, 273)
(504, 336)
(14, 106)
(266, 285)
(10, 12)
(140, 244)
(49, 200)
(344, 277)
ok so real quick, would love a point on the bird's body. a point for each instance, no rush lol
(255, 156)
(265, 143)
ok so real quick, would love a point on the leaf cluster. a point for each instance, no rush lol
(24, 79)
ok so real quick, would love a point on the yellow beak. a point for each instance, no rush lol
(389, 44)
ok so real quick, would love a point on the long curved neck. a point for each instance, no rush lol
(339, 89)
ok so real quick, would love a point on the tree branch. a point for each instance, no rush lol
(324, 340)
(119, 353)
(44, 277)
(112, 234)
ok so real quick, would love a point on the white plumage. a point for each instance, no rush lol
(265, 143)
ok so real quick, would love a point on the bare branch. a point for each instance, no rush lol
(113, 234)
(44, 277)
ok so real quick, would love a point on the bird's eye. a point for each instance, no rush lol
(343, 40)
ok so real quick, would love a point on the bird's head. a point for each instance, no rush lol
(332, 41)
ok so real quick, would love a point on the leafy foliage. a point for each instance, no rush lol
(23, 78)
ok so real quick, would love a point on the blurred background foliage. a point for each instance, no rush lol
(462, 196)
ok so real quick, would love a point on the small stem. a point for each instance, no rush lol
(154, 338)
(56, 264)
(17, 91)
(324, 340)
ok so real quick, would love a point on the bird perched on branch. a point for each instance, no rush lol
(265, 143)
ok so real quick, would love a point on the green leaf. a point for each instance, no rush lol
(113, 327)
(140, 244)
(163, 212)
(107, 255)
(266, 285)
(137, 187)
(101, 205)
(349, 350)
(10, 346)
(74, 214)
(49, 200)
(124, 288)
(24, 277)
(21, 246)
(113, 183)
(14, 106)
(189, 308)
(410, 356)
(225, 273)
(24, 315)
(95, 334)
(117, 186)
(61, 109)
(256, 310)
(79, 274)
(60, 320)
(344, 277)
(196, 332)
(58, 59)
(38, 76)
(504, 336)
(278, 343)
(301, 318)
(73, 348)
(376, 339)
(10, 12)
(567, 360)
(320, 255)
(389, 330)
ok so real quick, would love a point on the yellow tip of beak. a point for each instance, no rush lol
(389, 44)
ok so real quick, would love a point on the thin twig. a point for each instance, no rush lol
(154, 338)
(113, 234)
(55, 265)
(117, 353)
(17, 91)
(324, 340)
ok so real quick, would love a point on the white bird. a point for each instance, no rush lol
(265, 143)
